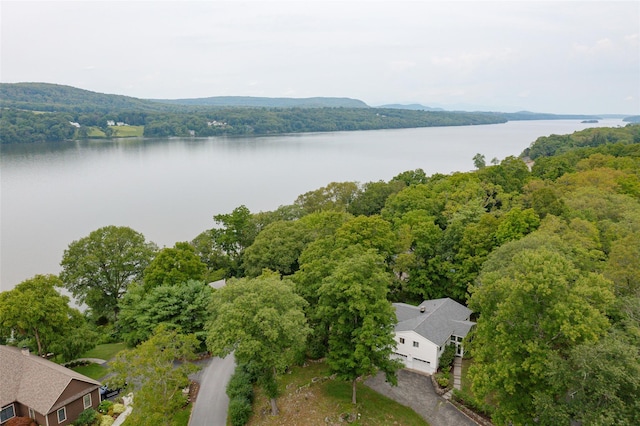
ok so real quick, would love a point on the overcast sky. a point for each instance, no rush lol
(560, 57)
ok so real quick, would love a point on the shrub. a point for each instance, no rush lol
(443, 379)
(447, 357)
(20, 421)
(472, 402)
(104, 406)
(239, 411)
(240, 385)
(86, 418)
(117, 409)
(106, 420)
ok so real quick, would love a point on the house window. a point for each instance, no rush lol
(416, 344)
(7, 413)
(402, 340)
(32, 413)
(86, 401)
(62, 414)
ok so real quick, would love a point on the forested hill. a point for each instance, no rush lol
(261, 102)
(55, 97)
(71, 113)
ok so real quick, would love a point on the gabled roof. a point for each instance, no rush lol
(441, 319)
(35, 381)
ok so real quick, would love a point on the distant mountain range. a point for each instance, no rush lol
(54, 97)
(250, 101)
(413, 107)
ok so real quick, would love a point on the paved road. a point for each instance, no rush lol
(416, 391)
(210, 408)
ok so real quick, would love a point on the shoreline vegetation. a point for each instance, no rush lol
(41, 112)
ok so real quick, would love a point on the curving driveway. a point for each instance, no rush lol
(416, 391)
(212, 402)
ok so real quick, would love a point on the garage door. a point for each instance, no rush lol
(422, 365)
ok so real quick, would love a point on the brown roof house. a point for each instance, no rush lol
(31, 386)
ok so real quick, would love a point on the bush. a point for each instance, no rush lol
(443, 379)
(471, 402)
(106, 420)
(104, 406)
(240, 385)
(447, 357)
(86, 418)
(20, 421)
(117, 409)
(239, 411)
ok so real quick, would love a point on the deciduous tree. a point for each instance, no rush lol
(157, 370)
(537, 307)
(353, 299)
(261, 321)
(34, 309)
(182, 306)
(98, 268)
(174, 266)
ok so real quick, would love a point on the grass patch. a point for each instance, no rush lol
(309, 397)
(95, 371)
(105, 351)
(95, 132)
(181, 417)
(127, 131)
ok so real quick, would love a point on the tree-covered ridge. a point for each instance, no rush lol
(547, 146)
(264, 102)
(19, 126)
(55, 97)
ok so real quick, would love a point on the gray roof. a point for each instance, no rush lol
(35, 381)
(218, 284)
(441, 319)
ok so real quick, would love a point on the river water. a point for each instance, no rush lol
(169, 189)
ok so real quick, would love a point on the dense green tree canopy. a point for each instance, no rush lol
(183, 306)
(538, 307)
(98, 268)
(173, 266)
(261, 321)
(353, 299)
(35, 310)
(152, 372)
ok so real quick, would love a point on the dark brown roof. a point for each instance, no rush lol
(34, 381)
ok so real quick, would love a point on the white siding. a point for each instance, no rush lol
(423, 357)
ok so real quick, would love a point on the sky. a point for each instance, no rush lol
(558, 57)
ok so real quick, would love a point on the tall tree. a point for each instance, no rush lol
(151, 369)
(353, 299)
(173, 266)
(537, 307)
(34, 309)
(182, 306)
(98, 268)
(261, 321)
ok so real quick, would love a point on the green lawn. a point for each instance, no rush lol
(95, 371)
(127, 131)
(106, 351)
(95, 132)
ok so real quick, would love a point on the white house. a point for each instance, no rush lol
(423, 332)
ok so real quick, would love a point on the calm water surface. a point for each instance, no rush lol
(169, 189)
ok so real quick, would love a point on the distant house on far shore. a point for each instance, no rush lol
(31, 386)
(423, 332)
